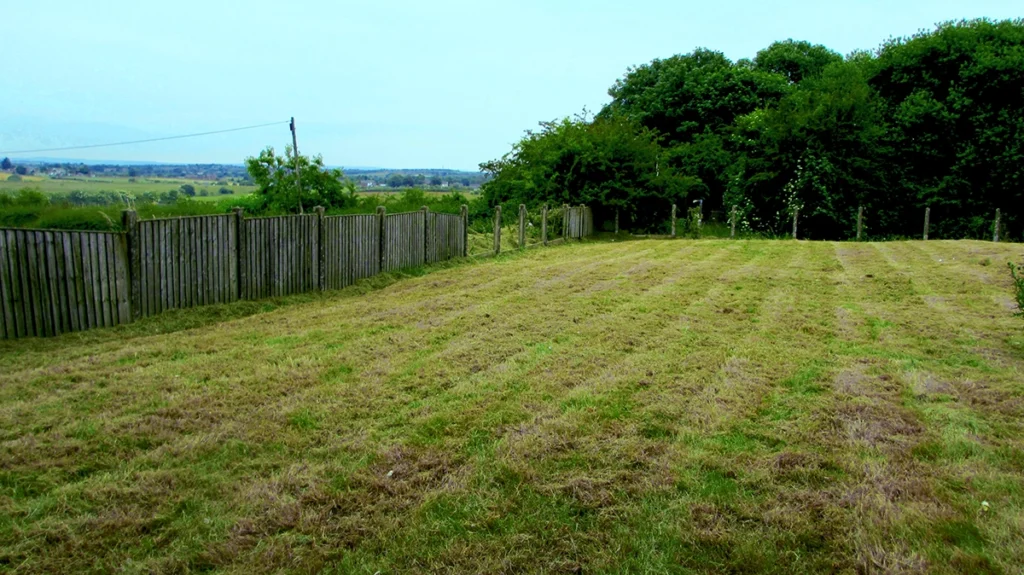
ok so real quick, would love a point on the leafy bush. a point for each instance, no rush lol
(1017, 272)
(225, 191)
(14, 178)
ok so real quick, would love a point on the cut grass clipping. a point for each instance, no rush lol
(628, 407)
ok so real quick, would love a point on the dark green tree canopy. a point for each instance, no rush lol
(934, 120)
(796, 60)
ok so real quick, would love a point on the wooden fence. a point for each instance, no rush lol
(352, 249)
(579, 222)
(52, 282)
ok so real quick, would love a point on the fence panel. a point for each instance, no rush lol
(403, 241)
(281, 256)
(186, 262)
(353, 249)
(445, 237)
(54, 282)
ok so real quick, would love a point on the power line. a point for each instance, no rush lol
(143, 141)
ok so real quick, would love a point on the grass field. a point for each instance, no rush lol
(628, 407)
(113, 184)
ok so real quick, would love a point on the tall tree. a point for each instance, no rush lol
(796, 60)
(276, 182)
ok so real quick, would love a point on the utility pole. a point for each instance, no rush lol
(298, 170)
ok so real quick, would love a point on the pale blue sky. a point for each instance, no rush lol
(382, 83)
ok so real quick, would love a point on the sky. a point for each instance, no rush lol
(438, 84)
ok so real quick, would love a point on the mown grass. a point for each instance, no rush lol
(629, 407)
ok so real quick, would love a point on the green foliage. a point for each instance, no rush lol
(21, 171)
(795, 60)
(278, 185)
(609, 163)
(1017, 273)
(14, 178)
(933, 120)
(6, 164)
(188, 189)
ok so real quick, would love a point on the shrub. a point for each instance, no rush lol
(1017, 272)
(225, 191)
(14, 178)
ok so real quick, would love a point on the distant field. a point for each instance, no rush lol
(141, 185)
(629, 407)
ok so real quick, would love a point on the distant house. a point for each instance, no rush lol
(444, 184)
(58, 173)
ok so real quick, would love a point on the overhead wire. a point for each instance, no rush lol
(65, 148)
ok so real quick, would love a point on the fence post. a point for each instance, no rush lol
(321, 250)
(995, 230)
(241, 253)
(382, 212)
(673, 220)
(796, 216)
(927, 216)
(426, 232)
(464, 212)
(130, 225)
(565, 222)
(522, 226)
(544, 224)
(732, 221)
(860, 221)
(616, 221)
(497, 230)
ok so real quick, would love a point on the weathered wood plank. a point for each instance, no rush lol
(7, 329)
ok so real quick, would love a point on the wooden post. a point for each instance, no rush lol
(522, 226)
(426, 232)
(860, 222)
(382, 213)
(616, 221)
(298, 169)
(241, 252)
(673, 220)
(497, 230)
(130, 225)
(995, 229)
(732, 221)
(927, 216)
(321, 250)
(544, 224)
(464, 212)
(796, 216)
(565, 222)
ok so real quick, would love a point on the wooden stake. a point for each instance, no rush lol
(522, 226)
(995, 230)
(860, 222)
(732, 219)
(544, 225)
(927, 216)
(796, 216)
(497, 230)
(673, 220)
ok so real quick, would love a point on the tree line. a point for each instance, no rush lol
(933, 120)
